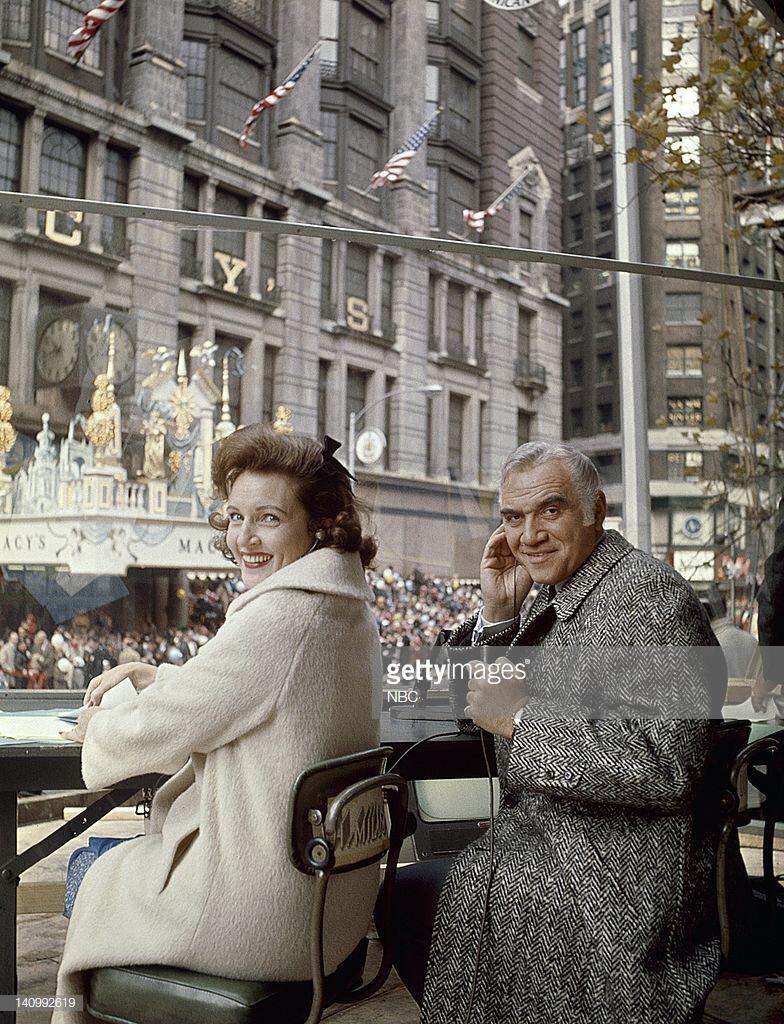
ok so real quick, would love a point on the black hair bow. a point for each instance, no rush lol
(330, 462)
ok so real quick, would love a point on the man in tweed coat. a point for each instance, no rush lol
(602, 904)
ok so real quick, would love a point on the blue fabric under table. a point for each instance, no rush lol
(81, 860)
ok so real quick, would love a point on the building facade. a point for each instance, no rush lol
(688, 384)
(151, 116)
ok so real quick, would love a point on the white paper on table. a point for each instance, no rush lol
(32, 727)
(772, 710)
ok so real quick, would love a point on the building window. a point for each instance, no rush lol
(461, 106)
(604, 368)
(240, 83)
(432, 90)
(433, 341)
(684, 465)
(362, 153)
(194, 55)
(576, 325)
(525, 237)
(524, 319)
(366, 48)
(389, 386)
(462, 14)
(682, 253)
(113, 232)
(461, 195)
(226, 343)
(577, 420)
(329, 143)
(356, 392)
(455, 343)
(609, 466)
(579, 73)
(268, 256)
(10, 162)
(327, 305)
(433, 13)
(684, 412)
(357, 271)
(16, 22)
(682, 307)
(604, 52)
(526, 56)
(575, 183)
(268, 384)
(230, 243)
(189, 261)
(687, 147)
(523, 427)
(330, 36)
(633, 33)
(430, 416)
(604, 169)
(604, 217)
(61, 17)
(682, 202)
(676, 28)
(576, 228)
(434, 214)
(604, 417)
(457, 405)
(575, 373)
(323, 390)
(479, 327)
(63, 163)
(684, 361)
(6, 292)
(387, 296)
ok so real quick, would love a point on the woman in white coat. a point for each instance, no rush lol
(287, 681)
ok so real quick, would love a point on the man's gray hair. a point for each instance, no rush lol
(582, 471)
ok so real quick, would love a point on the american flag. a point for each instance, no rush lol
(277, 94)
(394, 167)
(92, 22)
(476, 218)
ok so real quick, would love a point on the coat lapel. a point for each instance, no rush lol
(608, 552)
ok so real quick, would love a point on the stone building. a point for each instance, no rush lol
(151, 116)
(688, 386)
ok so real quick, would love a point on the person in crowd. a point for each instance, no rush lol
(63, 674)
(43, 646)
(129, 652)
(602, 904)
(8, 660)
(740, 649)
(287, 681)
(21, 662)
(37, 679)
(770, 623)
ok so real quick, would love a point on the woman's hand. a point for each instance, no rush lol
(504, 582)
(79, 731)
(140, 674)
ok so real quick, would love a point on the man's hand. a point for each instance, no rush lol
(492, 705)
(504, 582)
(79, 731)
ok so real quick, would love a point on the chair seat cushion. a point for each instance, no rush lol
(170, 995)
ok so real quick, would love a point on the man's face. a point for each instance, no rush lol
(543, 521)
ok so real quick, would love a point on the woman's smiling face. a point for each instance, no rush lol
(268, 525)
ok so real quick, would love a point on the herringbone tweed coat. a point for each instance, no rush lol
(602, 906)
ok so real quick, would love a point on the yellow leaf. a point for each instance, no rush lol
(582, 119)
(670, 63)
(599, 139)
(633, 155)
(719, 66)
(723, 35)
(653, 87)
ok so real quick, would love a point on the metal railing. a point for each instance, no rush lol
(529, 374)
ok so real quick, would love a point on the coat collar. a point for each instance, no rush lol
(608, 552)
(325, 571)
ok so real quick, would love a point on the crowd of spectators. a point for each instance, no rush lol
(410, 610)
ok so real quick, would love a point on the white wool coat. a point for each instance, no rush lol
(288, 680)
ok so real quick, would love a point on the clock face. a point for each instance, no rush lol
(98, 351)
(58, 350)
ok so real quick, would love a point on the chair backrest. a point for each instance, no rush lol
(767, 753)
(344, 814)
